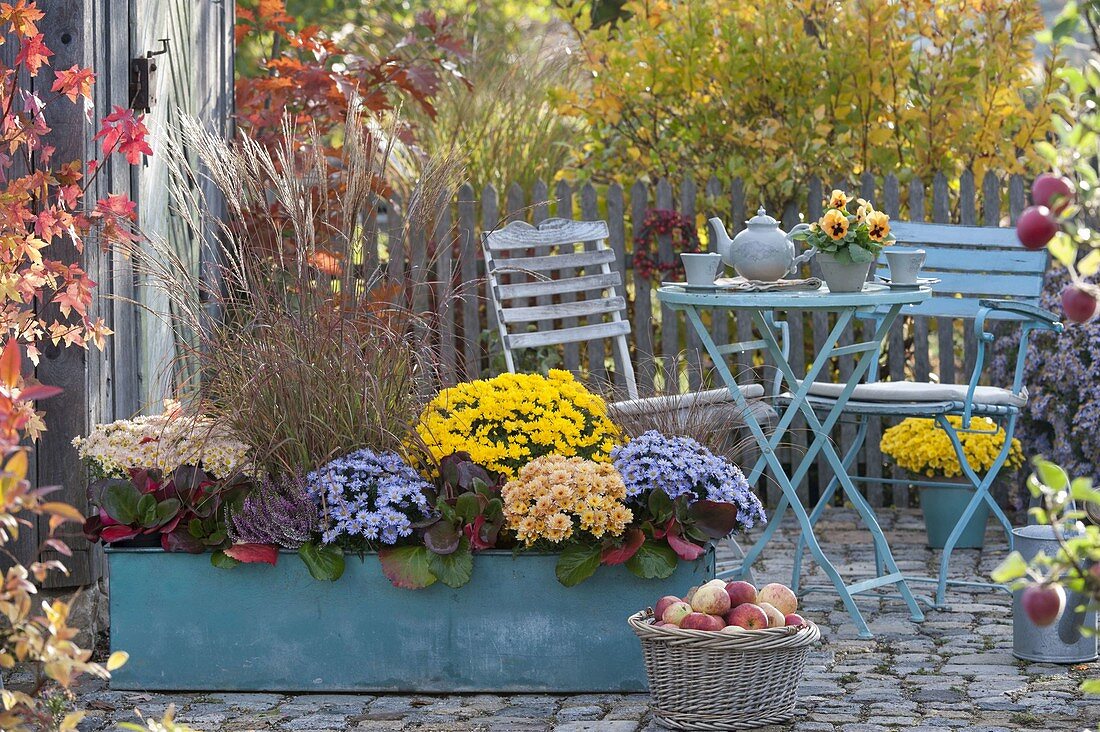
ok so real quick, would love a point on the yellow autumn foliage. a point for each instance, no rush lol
(777, 90)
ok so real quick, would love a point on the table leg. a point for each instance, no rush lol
(822, 444)
(768, 446)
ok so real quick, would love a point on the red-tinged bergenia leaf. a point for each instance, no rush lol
(473, 532)
(619, 554)
(407, 566)
(117, 532)
(684, 549)
(714, 518)
(254, 553)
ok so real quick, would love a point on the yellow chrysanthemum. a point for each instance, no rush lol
(835, 224)
(507, 421)
(918, 445)
(878, 225)
(590, 492)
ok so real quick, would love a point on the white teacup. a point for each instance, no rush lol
(701, 269)
(905, 264)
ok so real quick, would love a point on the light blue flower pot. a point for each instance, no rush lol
(514, 628)
(942, 508)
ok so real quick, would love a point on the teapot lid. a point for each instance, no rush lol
(762, 219)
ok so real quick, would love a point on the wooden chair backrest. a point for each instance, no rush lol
(972, 263)
(558, 275)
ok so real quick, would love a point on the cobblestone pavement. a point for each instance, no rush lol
(954, 671)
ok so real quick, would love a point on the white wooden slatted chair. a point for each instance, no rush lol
(986, 276)
(582, 262)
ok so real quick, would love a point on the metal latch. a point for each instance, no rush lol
(142, 72)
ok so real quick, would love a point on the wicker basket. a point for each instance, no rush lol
(704, 680)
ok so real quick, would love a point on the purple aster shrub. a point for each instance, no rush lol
(681, 467)
(278, 511)
(368, 497)
(1062, 373)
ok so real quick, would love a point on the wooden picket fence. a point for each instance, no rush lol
(448, 281)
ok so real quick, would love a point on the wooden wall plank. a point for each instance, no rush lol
(670, 330)
(616, 226)
(469, 254)
(572, 354)
(692, 343)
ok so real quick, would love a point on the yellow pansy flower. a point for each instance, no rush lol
(835, 224)
(878, 225)
(838, 199)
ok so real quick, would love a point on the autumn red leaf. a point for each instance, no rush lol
(21, 17)
(123, 131)
(619, 554)
(74, 82)
(33, 53)
(254, 553)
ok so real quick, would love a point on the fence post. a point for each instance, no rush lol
(945, 327)
(670, 331)
(571, 351)
(643, 301)
(616, 228)
(471, 287)
(692, 343)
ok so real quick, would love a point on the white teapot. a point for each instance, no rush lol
(762, 251)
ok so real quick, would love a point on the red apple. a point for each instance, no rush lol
(1080, 306)
(711, 599)
(794, 619)
(662, 605)
(675, 613)
(1052, 191)
(740, 593)
(660, 624)
(1043, 604)
(1036, 227)
(702, 621)
(776, 619)
(780, 596)
(748, 616)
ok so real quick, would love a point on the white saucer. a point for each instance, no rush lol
(921, 282)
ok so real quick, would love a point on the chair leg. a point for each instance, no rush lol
(981, 493)
(823, 502)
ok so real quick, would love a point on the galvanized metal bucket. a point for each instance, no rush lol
(1061, 642)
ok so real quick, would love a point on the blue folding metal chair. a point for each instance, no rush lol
(986, 276)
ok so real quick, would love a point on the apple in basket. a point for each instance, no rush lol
(740, 592)
(711, 599)
(663, 604)
(702, 621)
(780, 596)
(747, 616)
(776, 619)
(675, 613)
(794, 619)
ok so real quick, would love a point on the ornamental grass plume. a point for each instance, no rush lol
(920, 446)
(306, 348)
(505, 422)
(278, 511)
(553, 498)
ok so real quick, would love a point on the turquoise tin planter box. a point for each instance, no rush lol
(191, 627)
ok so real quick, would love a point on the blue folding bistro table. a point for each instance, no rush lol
(875, 300)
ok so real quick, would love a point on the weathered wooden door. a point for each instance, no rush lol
(194, 77)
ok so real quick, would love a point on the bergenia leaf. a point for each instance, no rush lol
(117, 533)
(442, 537)
(120, 501)
(577, 563)
(323, 562)
(660, 506)
(456, 568)
(653, 561)
(221, 560)
(684, 549)
(254, 553)
(619, 554)
(714, 518)
(407, 566)
(467, 506)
